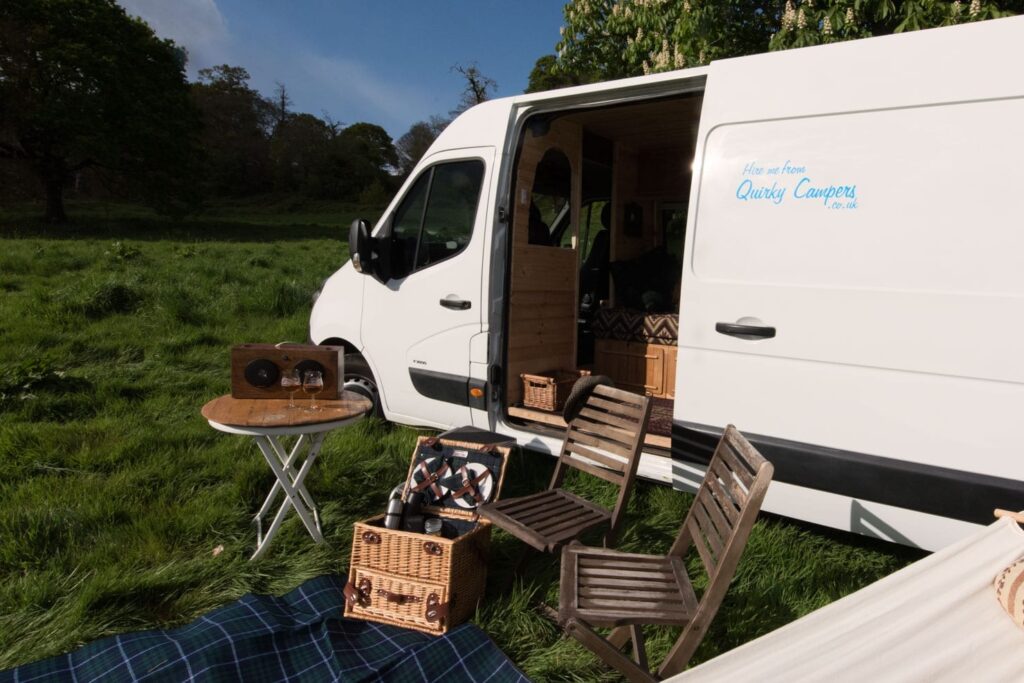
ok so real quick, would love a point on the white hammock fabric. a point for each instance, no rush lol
(936, 620)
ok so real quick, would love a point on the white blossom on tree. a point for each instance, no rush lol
(615, 38)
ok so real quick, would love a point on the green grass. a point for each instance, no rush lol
(114, 492)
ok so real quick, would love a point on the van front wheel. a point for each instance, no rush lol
(359, 380)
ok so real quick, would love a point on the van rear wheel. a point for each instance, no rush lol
(359, 379)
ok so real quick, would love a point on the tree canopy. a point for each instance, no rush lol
(417, 140)
(478, 87)
(237, 125)
(92, 99)
(256, 144)
(605, 39)
(83, 85)
(546, 75)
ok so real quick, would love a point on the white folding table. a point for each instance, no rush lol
(268, 422)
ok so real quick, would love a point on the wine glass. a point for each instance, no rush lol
(313, 384)
(290, 382)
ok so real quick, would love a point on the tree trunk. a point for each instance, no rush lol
(55, 201)
(54, 175)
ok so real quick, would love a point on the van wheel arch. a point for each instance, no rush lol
(349, 347)
(359, 377)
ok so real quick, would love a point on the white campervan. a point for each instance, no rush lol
(823, 246)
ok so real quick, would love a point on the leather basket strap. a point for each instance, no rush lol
(430, 479)
(398, 598)
(471, 485)
(436, 610)
(358, 595)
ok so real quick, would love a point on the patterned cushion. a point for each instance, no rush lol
(1009, 585)
(618, 323)
(626, 324)
(661, 328)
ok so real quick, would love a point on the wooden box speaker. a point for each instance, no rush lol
(256, 369)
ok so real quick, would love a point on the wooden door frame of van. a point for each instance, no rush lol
(499, 275)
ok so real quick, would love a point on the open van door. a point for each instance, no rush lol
(424, 307)
(852, 291)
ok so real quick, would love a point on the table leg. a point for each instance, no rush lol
(291, 483)
(287, 459)
(286, 462)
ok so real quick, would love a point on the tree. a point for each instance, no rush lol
(299, 152)
(372, 143)
(282, 103)
(477, 90)
(805, 24)
(547, 75)
(83, 85)
(417, 140)
(614, 39)
(362, 157)
(237, 126)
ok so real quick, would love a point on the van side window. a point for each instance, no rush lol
(405, 232)
(448, 222)
(435, 219)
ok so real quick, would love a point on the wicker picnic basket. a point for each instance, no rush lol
(418, 581)
(548, 390)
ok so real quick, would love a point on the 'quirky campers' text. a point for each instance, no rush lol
(764, 184)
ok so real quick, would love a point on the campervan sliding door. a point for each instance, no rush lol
(854, 284)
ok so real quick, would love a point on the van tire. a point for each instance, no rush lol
(359, 379)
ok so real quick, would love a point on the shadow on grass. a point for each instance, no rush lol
(246, 223)
(166, 229)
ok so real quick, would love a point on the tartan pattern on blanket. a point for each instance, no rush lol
(297, 637)
(625, 324)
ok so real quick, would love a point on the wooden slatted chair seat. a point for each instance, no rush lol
(617, 589)
(547, 520)
(611, 589)
(604, 440)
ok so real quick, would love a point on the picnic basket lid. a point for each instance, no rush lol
(456, 476)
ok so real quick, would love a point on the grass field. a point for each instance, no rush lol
(114, 492)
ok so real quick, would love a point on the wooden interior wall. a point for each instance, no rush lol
(664, 173)
(543, 284)
(646, 177)
(624, 184)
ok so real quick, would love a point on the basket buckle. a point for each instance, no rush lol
(371, 537)
(359, 595)
(436, 610)
(431, 548)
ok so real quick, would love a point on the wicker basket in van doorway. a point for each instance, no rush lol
(548, 390)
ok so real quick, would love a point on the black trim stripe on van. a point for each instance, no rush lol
(455, 389)
(967, 496)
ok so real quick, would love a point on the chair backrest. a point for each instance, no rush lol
(605, 440)
(718, 526)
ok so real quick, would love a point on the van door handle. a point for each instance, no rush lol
(457, 304)
(745, 331)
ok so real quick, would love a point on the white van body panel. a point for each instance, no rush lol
(405, 329)
(896, 303)
(481, 126)
(896, 307)
(338, 310)
(382, 324)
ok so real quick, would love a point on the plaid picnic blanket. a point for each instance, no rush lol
(297, 637)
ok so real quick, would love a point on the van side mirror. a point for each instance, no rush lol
(360, 247)
(370, 255)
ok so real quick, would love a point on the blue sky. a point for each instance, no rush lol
(387, 62)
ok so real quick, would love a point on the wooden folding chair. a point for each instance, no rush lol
(603, 440)
(611, 589)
